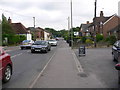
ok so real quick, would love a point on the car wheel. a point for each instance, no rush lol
(46, 50)
(115, 60)
(49, 49)
(7, 74)
(22, 48)
(119, 77)
(32, 51)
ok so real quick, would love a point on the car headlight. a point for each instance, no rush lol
(43, 48)
(32, 48)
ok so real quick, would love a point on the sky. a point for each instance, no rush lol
(54, 13)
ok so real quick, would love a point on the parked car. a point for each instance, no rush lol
(26, 44)
(116, 50)
(53, 42)
(40, 46)
(117, 66)
(5, 66)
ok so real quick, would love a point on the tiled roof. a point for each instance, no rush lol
(19, 28)
(85, 27)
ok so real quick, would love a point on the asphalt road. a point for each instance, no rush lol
(27, 66)
(99, 62)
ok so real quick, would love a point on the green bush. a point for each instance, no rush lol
(89, 41)
(99, 37)
(12, 39)
(111, 39)
(83, 39)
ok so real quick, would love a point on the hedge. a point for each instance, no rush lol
(12, 39)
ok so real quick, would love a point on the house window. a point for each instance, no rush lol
(114, 32)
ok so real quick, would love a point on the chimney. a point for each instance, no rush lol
(87, 22)
(101, 13)
(9, 20)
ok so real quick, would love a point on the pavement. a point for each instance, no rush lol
(65, 71)
(10, 48)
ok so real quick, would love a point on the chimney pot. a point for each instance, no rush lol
(9, 20)
(101, 13)
(87, 22)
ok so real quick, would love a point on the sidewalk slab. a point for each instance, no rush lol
(10, 48)
(62, 72)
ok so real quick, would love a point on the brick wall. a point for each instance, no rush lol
(110, 24)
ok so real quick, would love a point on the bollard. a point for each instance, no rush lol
(82, 51)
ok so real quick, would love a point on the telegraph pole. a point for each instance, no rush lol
(71, 27)
(34, 28)
(95, 23)
(68, 23)
(34, 21)
(68, 29)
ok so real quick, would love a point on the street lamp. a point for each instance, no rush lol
(71, 27)
(95, 23)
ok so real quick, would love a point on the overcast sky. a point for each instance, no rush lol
(54, 13)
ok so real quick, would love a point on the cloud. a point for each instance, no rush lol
(54, 13)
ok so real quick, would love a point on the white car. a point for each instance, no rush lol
(26, 44)
(53, 42)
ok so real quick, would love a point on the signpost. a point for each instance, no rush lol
(82, 51)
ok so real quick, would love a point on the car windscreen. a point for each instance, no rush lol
(52, 40)
(40, 43)
(119, 44)
(26, 41)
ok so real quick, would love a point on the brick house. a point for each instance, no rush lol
(105, 25)
(99, 22)
(18, 27)
(40, 33)
(112, 26)
(84, 29)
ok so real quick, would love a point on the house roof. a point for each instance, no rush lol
(31, 28)
(110, 18)
(85, 27)
(98, 20)
(19, 28)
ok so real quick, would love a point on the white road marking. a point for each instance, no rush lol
(79, 66)
(16, 55)
(31, 86)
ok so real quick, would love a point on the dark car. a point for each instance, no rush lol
(40, 46)
(116, 50)
(5, 66)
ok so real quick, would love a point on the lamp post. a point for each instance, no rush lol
(68, 28)
(71, 27)
(34, 28)
(95, 23)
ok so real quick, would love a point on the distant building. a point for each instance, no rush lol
(111, 26)
(40, 33)
(99, 21)
(105, 25)
(84, 29)
(20, 29)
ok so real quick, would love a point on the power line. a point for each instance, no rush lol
(11, 12)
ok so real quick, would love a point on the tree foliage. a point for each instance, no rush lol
(6, 27)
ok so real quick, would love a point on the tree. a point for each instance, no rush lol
(6, 27)
(51, 30)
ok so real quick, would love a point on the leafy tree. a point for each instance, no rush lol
(51, 30)
(6, 27)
